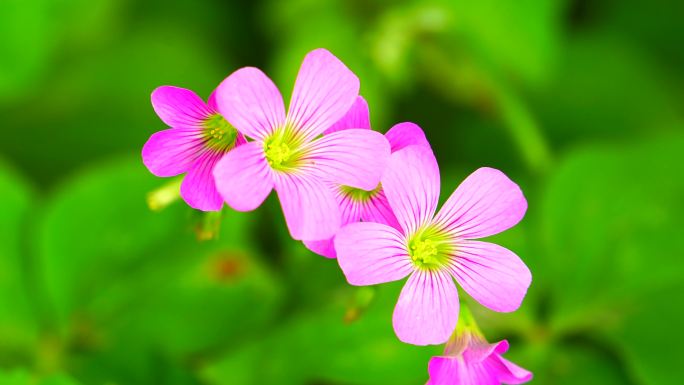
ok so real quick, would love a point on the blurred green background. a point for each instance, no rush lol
(579, 101)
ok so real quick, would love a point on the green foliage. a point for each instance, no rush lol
(21, 377)
(137, 275)
(611, 219)
(17, 325)
(579, 102)
(25, 46)
(331, 345)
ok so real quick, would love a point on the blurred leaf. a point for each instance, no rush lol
(657, 26)
(321, 346)
(324, 279)
(612, 220)
(104, 99)
(650, 336)
(509, 38)
(21, 377)
(477, 55)
(25, 45)
(487, 39)
(59, 380)
(606, 88)
(116, 271)
(17, 323)
(96, 227)
(227, 292)
(570, 365)
(84, 25)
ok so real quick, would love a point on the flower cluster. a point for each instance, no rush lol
(351, 193)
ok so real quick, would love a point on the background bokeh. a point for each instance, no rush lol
(580, 102)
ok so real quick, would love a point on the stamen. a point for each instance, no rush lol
(277, 154)
(429, 249)
(282, 150)
(219, 134)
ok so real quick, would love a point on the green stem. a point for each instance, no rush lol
(524, 130)
(466, 330)
(209, 225)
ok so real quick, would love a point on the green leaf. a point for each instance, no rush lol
(518, 38)
(579, 364)
(322, 346)
(96, 228)
(25, 45)
(17, 322)
(649, 337)
(121, 76)
(116, 272)
(605, 211)
(625, 92)
(59, 380)
(22, 377)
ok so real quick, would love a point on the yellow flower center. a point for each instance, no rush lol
(283, 150)
(423, 252)
(277, 154)
(219, 135)
(429, 249)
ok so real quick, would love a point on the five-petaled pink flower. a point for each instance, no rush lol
(199, 137)
(366, 205)
(435, 249)
(288, 152)
(470, 360)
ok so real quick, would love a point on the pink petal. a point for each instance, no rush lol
(357, 117)
(243, 177)
(198, 188)
(454, 371)
(378, 210)
(427, 310)
(250, 101)
(371, 253)
(350, 209)
(325, 247)
(491, 274)
(411, 183)
(406, 134)
(480, 351)
(179, 107)
(324, 91)
(173, 151)
(211, 102)
(353, 157)
(309, 206)
(488, 369)
(486, 203)
(443, 371)
(507, 372)
(350, 212)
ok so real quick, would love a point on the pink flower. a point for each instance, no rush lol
(287, 153)
(434, 249)
(470, 360)
(199, 137)
(366, 205)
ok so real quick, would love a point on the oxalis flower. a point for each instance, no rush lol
(199, 137)
(469, 360)
(366, 205)
(434, 249)
(288, 152)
